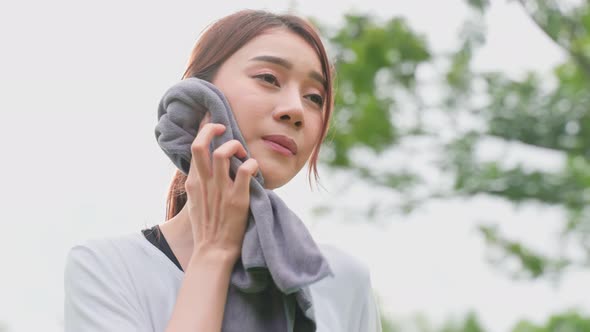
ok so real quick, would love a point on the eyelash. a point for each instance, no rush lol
(319, 103)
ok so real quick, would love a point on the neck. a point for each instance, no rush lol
(179, 235)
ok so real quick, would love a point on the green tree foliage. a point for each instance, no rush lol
(371, 57)
(566, 322)
(419, 323)
(553, 117)
(469, 324)
(569, 321)
(378, 84)
(378, 80)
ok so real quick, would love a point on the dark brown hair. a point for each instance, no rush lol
(222, 40)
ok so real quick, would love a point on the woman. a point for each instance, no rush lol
(276, 76)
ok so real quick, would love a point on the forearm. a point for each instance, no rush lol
(201, 299)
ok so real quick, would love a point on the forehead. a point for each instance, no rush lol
(280, 43)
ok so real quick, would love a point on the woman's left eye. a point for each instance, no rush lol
(315, 98)
(268, 78)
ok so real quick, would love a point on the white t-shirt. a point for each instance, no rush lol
(127, 284)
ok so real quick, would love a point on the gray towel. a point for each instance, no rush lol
(279, 258)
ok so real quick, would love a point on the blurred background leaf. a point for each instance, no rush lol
(378, 65)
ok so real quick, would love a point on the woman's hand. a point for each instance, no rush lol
(217, 205)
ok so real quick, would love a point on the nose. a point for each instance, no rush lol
(290, 109)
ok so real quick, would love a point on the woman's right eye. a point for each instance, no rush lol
(268, 78)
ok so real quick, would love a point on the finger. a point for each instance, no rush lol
(206, 119)
(243, 176)
(221, 158)
(201, 161)
(195, 192)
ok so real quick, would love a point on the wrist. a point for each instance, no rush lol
(214, 257)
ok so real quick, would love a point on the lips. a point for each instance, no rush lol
(283, 141)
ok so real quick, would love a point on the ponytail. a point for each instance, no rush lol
(176, 198)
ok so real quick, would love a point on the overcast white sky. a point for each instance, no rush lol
(79, 87)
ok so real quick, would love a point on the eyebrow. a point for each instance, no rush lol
(287, 64)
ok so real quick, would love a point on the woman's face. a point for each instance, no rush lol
(274, 87)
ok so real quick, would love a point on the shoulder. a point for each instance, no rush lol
(106, 254)
(346, 267)
(350, 279)
(103, 268)
(99, 288)
(344, 301)
(106, 246)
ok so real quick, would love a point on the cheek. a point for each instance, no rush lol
(316, 128)
(246, 109)
(313, 132)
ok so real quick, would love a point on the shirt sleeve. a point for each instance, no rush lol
(370, 316)
(96, 296)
